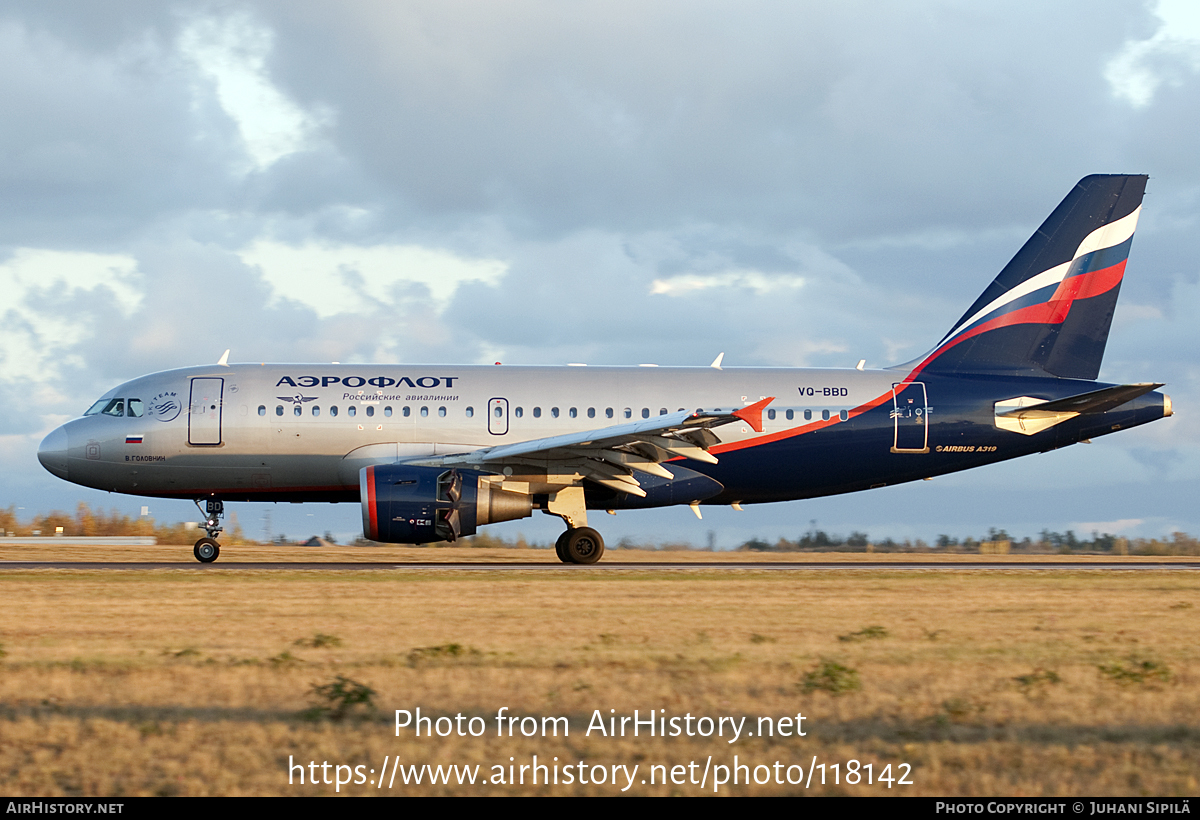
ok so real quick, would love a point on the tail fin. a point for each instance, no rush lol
(1049, 310)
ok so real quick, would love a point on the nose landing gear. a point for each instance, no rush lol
(207, 549)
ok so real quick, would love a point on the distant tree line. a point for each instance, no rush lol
(997, 541)
(89, 522)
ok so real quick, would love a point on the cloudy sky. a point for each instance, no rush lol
(613, 183)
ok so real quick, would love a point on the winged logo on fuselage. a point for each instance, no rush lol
(297, 399)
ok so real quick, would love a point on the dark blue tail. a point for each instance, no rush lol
(1050, 309)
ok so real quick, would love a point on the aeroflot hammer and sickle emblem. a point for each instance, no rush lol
(297, 399)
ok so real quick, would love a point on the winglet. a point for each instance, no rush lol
(752, 414)
(717, 361)
(224, 360)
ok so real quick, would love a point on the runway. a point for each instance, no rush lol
(612, 566)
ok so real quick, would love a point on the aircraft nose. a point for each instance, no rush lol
(53, 452)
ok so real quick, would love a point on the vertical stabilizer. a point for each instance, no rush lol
(1050, 309)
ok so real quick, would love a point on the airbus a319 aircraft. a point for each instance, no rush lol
(433, 452)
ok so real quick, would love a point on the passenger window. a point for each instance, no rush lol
(316, 410)
(662, 411)
(424, 411)
(387, 411)
(808, 415)
(518, 412)
(351, 410)
(843, 415)
(442, 411)
(537, 412)
(608, 412)
(471, 412)
(771, 415)
(791, 414)
(262, 409)
(115, 407)
(572, 412)
(824, 415)
(407, 411)
(645, 412)
(297, 410)
(333, 410)
(134, 409)
(370, 410)
(591, 412)
(279, 409)
(628, 412)
(554, 412)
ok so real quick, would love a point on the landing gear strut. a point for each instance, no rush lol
(579, 545)
(207, 549)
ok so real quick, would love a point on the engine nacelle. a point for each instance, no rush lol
(417, 505)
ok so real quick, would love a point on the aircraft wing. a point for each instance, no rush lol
(610, 455)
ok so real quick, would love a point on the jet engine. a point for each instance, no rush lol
(417, 505)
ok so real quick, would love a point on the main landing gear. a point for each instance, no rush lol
(207, 549)
(579, 545)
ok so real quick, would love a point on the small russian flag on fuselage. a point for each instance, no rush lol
(133, 439)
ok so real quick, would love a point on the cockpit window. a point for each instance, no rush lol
(134, 408)
(110, 407)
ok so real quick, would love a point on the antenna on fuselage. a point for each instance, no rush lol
(224, 360)
(717, 361)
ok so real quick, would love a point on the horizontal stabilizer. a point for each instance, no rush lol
(1027, 415)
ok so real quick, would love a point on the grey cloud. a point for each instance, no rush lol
(95, 145)
(634, 116)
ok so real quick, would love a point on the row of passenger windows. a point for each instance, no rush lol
(369, 411)
(134, 408)
(519, 412)
(808, 415)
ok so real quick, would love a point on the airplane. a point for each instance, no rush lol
(433, 452)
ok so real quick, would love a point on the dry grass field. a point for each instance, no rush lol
(207, 681)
